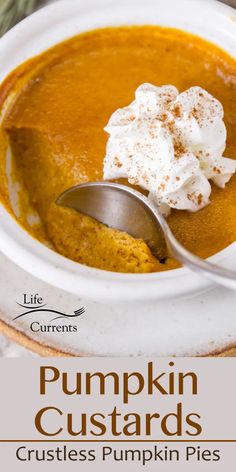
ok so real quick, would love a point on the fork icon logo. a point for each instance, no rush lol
(36, 307)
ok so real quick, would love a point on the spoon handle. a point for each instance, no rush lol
(220, 275)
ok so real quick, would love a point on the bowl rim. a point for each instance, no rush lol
(64, 273)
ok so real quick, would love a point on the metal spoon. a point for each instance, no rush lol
(128, 210)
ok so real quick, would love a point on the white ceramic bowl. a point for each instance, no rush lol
(207, 18)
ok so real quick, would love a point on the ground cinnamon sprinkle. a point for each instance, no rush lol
(191, 196)
(162, 117)
(161, 187)
(197, 198)
(134, 181)
(117, 162)
(176, 111)
(195, 113)
(179, 149)
(131, 118)
(200, 199)
(172, 202)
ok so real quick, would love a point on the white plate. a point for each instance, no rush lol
(198, 325)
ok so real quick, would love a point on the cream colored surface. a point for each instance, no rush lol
(199, 316)
(187, 327)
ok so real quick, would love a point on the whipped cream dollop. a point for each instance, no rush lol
(170, 144)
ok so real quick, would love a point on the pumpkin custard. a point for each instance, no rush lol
(61, 102)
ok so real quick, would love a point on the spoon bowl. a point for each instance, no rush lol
(121, 207)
